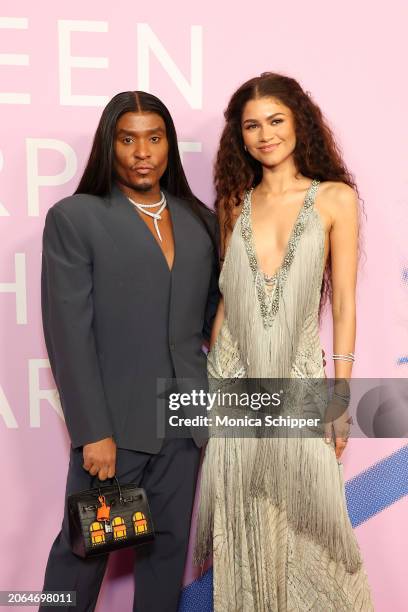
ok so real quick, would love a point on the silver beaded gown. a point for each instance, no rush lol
(273, 510)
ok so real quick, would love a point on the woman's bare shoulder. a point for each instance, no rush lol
(336, 198)
(337, 193)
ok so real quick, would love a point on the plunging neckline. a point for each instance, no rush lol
(142, 220)
(269, 301)
(155, 238)
(273, 276)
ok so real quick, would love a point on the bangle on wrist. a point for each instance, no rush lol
(342, 357)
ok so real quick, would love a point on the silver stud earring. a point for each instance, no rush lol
(245, 147)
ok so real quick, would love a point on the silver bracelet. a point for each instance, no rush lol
(348, 357)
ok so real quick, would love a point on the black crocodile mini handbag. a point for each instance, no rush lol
(108, 518)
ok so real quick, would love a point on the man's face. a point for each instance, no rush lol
(141, 150)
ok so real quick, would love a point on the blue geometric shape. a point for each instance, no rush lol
(198, 596)
(402, 360)
(378, 487)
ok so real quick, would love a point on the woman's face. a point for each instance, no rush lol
(268, 130)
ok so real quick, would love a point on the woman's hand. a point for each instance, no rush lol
(337, 419)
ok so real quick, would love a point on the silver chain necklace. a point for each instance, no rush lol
(156, 216)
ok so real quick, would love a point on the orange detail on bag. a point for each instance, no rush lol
(103, 512)
(119, 528)
(139, 522)
(97, 533)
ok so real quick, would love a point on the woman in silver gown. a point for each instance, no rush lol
(273, 509)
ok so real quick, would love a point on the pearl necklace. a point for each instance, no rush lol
(156, 216)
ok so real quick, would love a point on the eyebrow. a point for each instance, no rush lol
(135, 132)
(267, 119)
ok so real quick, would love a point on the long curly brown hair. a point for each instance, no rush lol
(316, 154)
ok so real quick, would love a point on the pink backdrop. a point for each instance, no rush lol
(59, 65)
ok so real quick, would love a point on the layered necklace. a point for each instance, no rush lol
(146, 210)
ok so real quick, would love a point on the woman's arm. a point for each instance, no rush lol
(219, 318)
(225, 237)
(343, 246)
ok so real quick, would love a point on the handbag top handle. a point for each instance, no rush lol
(100, 487)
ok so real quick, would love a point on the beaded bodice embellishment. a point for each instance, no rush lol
(269, 288)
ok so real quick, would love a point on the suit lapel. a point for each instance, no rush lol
(175, 222)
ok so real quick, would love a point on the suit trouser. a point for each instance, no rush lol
(169, 479)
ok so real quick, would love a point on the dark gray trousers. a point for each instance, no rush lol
(169, 479)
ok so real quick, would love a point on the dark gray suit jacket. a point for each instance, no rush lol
(115, 318)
